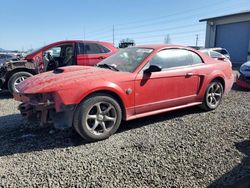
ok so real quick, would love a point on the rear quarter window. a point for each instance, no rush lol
(103, 48)
(91, 48)
(195, 58)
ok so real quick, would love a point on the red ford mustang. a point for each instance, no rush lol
(133, 83)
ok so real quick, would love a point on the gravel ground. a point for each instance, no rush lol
(184, 148)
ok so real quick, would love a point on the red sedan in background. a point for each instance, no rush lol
(133, 83)
(49, 57)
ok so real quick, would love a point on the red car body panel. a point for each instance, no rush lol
(93, 59)
(243, 84)
(186, 86)
(80, 59)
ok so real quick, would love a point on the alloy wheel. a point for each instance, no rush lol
(19, 80)
(101, 118)
(214, 95)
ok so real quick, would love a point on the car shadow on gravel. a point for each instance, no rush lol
(141, 122)
(17, 136)
(5, 95)
(239, 176)
(238, 88)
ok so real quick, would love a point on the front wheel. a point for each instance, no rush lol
(213, 96)
(16, 79)
(97, 117)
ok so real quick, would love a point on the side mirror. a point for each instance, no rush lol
(153, 68)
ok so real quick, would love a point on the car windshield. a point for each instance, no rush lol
(126, 60)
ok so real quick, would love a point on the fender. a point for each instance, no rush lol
(85, 90)
(209, 78)
(67, 97)
(111, 87)
(216, 74)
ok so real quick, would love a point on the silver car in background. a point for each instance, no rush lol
(217, 55)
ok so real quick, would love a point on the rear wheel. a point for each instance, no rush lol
(213, 96)
(97, 117)
(16, 79)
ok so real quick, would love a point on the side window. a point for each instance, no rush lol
(54, 51)
(103, 49)
(196, 59)
(91, 48)
(81, 48)
(171, 58)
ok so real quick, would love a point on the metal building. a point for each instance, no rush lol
(231, 32)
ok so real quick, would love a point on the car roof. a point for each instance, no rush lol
(160, 46)
(70, 41)
(204, 50)
(216, 48)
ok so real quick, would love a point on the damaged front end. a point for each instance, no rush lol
(3, 72)
(43, 108)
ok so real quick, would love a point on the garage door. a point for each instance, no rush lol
(235, 38)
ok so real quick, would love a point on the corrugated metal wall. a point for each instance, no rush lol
(235, 38)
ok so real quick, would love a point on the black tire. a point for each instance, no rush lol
(213, 96)
(93, 124)
(15, 78)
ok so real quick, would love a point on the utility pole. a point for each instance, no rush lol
(197, 39)
(113, 35)
(83, 33)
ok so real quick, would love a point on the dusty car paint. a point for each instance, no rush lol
(66, 87)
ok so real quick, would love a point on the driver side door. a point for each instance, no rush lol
(176, 84)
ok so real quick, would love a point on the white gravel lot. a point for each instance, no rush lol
(184, 148)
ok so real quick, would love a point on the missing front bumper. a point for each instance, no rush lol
(45, 114)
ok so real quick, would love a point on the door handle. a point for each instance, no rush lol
(101, 57)
(189, 74)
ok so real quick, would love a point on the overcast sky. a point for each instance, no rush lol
(34, 23)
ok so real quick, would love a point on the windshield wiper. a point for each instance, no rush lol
(104, 65)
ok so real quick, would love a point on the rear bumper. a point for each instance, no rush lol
(229, 84)
(243, 81)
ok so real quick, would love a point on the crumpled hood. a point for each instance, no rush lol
(63, 78)
(245, 69)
